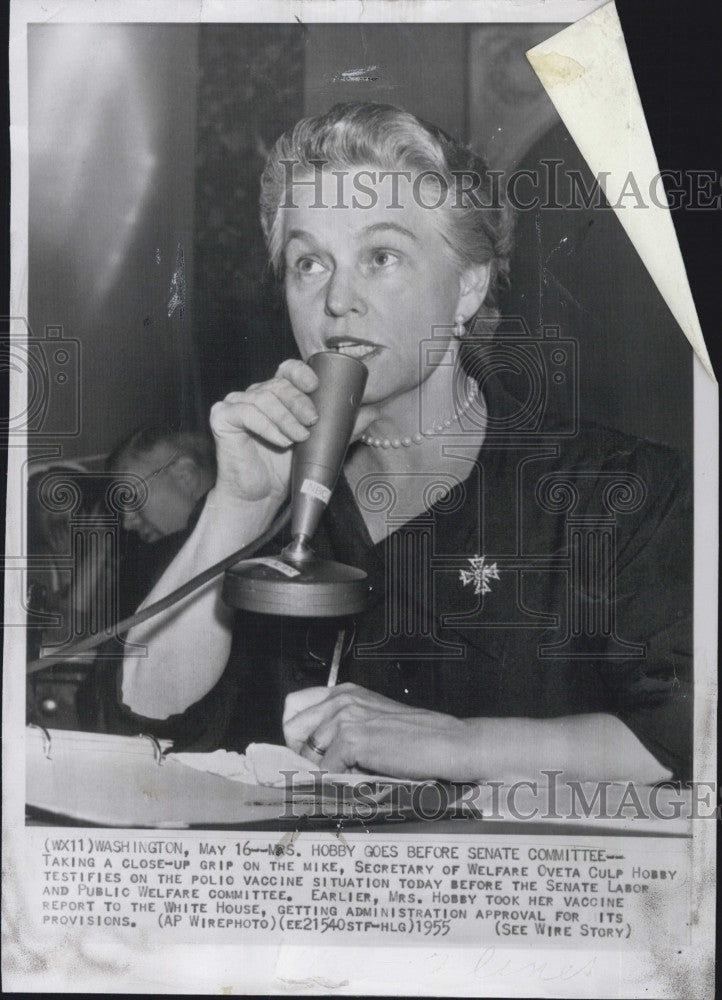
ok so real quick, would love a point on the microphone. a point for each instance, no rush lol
(298, 583)
(317, 461)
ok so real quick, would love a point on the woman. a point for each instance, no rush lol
(390, 246)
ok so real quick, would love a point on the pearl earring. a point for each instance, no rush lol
(459, 328)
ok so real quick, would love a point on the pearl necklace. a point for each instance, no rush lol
(437, 428)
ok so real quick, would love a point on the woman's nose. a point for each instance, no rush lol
(344, 293)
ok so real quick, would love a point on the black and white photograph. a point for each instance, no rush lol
(360, 563)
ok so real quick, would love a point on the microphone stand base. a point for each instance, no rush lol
(315, 589)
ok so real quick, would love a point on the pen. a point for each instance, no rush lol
(336, 660)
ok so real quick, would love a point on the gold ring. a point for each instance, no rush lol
(315, 747)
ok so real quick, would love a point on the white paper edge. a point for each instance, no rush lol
(586, 72)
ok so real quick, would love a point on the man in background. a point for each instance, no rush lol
(175, 469)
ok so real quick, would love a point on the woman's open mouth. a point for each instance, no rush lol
(359, 349)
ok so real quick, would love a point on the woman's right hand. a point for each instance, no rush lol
(256, 429)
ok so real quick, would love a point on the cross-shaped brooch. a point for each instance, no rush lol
(479, 574)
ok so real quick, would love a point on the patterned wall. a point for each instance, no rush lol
(250, 90)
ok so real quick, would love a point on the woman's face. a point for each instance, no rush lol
(371, 282)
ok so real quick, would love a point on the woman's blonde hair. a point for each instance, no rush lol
(477, 226)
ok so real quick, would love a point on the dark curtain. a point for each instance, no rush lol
(250, 91)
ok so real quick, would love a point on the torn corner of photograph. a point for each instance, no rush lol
(586, 72)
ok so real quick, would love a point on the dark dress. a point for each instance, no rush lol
(588, 608)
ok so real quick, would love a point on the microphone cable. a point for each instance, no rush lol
(83, 645)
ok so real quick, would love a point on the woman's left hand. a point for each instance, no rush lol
(359, 729)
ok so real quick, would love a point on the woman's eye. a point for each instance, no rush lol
(383, 258)
(307, 265)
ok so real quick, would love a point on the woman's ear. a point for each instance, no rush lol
(473, 286)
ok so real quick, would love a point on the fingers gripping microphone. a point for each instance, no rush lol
(298, 583)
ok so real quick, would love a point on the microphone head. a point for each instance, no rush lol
(317, 461)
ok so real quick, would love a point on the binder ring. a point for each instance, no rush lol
(157, 751)
(47, 739)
